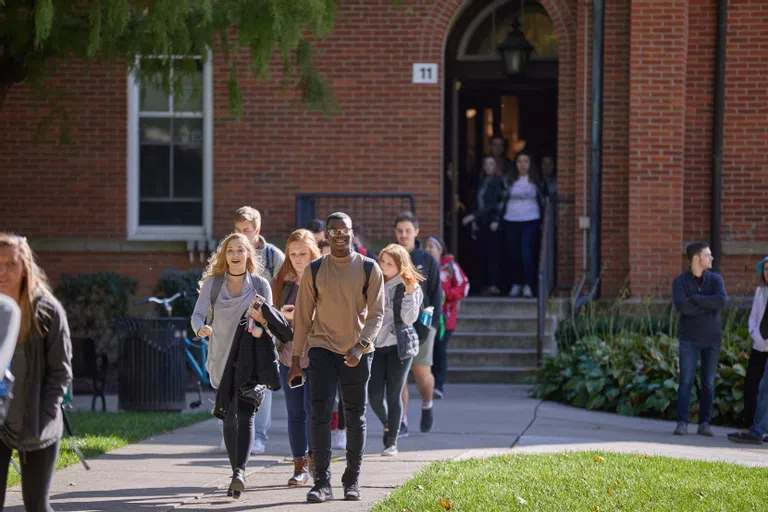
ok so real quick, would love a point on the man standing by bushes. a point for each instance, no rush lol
(699, 296)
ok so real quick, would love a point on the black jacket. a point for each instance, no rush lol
(432, 287)
(252, 360)
(699, 306)
(491, 200)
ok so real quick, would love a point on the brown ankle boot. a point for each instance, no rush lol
(300, 474)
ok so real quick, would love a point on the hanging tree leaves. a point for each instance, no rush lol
(36, 36)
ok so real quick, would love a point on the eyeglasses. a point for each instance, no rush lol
(339, 232)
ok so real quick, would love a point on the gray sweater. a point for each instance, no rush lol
(409, 311)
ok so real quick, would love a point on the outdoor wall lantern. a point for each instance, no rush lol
(515, 50)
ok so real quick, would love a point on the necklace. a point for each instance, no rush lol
(236, 275)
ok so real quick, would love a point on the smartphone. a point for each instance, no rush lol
(296, 382)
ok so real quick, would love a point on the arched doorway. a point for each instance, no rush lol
(482, 100)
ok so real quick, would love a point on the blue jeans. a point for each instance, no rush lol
(761, 411)
(263, 418)
(689, 357)
(521, 246)
(298, 401)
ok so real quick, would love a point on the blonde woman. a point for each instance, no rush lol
(42, 367)
(301, 248)
(397, 342)
(217, 316)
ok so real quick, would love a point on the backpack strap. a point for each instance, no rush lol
(270, 259)
(218, 282)
(314, 266)
(368, 268)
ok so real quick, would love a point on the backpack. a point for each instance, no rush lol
(269, 264)
(367, 268)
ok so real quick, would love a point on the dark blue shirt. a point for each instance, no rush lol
(699, 303)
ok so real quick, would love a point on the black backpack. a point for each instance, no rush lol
(367, 268)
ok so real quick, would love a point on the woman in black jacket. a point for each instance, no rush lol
(42, 368)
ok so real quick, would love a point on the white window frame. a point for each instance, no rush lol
(170, 233)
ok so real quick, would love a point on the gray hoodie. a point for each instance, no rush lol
(409, 311)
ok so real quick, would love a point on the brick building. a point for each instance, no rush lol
(145, 178)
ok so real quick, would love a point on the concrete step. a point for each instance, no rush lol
(501, 339)
(483, 357)
(500, 323)
(497, 305)
(490, 374)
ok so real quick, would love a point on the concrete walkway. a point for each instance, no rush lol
(184, 471)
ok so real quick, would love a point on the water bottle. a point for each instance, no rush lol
(426, 316)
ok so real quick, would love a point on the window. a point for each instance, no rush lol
(170, 170)
(490, 27)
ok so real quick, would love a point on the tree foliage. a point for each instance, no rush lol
(36, 36)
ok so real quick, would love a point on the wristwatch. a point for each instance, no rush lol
(364, 344)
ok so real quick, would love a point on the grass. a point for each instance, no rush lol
(589, 481)
(101, 432)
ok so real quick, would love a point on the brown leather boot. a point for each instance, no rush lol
(300, 474)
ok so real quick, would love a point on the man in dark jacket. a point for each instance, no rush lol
(699, 296)
(406, 231)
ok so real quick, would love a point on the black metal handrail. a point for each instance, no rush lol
(546, 274)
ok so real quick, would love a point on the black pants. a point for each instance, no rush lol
(440, 363)
(238, 432)
(388, 374)
(521, 241)
(326, 371)
(36, 472)
(755, 370)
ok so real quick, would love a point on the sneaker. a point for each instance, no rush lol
(681, 429)
(427, 419)
(527, 293)
(339, 439)
(352, 492)
(258, 447)
(705, 430)
(403, 430)
(390, 451)
(437, 394)
(320, 493)
(744, 438)
(515, 291)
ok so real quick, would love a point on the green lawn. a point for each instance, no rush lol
(101, 432)
(583, 481)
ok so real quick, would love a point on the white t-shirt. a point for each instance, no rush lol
(522, 205)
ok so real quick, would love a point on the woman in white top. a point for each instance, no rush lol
(235, 260)
(520, 224)
(758, 331)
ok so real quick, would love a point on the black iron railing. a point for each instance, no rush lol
(546, 274)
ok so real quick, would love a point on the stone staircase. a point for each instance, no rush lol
(495, 340)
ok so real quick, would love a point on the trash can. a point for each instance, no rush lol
(151, 364)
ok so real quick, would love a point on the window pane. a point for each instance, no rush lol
(188, 132)
(187, 171)
(154, 130)
(171, 213)
(154, 171)
(153, 99)
(190, 97)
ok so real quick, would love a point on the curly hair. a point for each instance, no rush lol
(217, 263)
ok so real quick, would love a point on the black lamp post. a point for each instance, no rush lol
(515, 50)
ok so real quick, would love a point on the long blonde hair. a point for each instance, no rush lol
(402, 259)
(286, 269)
(217, 263)
(34, 285)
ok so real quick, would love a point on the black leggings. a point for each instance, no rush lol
(755, 370)
(36, 473)
(238, 432)
(385, 389)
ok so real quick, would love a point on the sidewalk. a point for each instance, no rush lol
(184, 471)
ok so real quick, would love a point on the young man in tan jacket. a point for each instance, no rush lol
(344, 290)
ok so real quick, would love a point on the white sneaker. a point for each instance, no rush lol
(339, 439)
(390, 451)
(258, 447)
(527, 291)
(515, 291)
(223, 446)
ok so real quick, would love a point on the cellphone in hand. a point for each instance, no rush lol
(296, 382)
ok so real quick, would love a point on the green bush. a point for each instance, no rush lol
(93, 303)
(638, 375)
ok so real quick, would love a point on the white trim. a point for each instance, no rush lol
(134, 230)
(470, 30)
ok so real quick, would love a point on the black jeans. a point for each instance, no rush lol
(755, 370)
(36, 473)
(326, 371)
(440, 363)
(388, 374)
(238, 432)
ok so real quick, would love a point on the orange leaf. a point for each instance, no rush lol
(445, 503)
(599, 459)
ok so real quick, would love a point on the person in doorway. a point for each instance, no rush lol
(455, 289)
(248, 222)
(42, 368)
(397, 342)
(235, 268)
(699, 296)
(520, 224)
(485, 221)
(407, 231)
(301, 249)
(504, 166)
(549, 176)
(339, 311)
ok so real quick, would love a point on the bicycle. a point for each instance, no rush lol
(198, 344)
